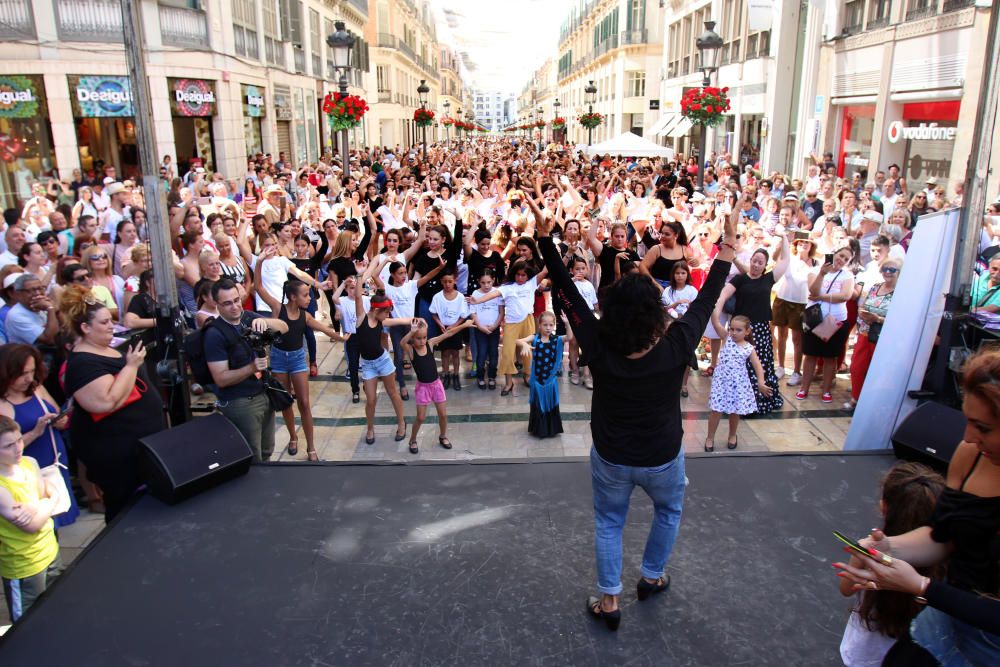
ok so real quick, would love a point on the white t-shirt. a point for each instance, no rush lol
(833, 283)
(274, 273)
(487, 313)
(794, 285)
(383, 275)
(518, 300)
(449, 311)
(861, 647)
(110, 219)
(404, 298)
(686, 293)
(587, 291)
(348, 312)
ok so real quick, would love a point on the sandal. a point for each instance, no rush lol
(574, 378)
(709, 445)
(293, 447)
(644, 589)
(444, 442)
(404, 394)
(733, 444)
(413, 447)
(400, 436)
(611, 618)
(355, 397)
(370, 439)
(588, 383)
(312, 455)
(684, 392)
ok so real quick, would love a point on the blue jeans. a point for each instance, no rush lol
(310, 334)
(424, 311)
(954, 643)
(487, 350)
(613, 486)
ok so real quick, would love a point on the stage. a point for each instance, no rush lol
(459, 564)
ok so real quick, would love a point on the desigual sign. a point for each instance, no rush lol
(19, 97)
(192, 97)
(101, 96)
(253, 101)
(922, 132)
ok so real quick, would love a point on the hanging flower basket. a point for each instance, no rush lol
(423, 117)
(344, 111)
(539, 124)
(558, 123)
(590, 120)
(705, 106)
(446, 121)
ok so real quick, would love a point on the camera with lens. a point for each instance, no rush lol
(260, 340)
(834, 219)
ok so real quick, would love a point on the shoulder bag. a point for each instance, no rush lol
(874, 328)
(279, 397)
(812, 316)
(51, 474)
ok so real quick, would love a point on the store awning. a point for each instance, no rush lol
(672, 120)
(660, 123)
(681, 128)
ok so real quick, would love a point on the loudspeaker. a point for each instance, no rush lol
(197, 455)
(930, 435)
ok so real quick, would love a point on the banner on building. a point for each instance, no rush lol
(22, 96)
(253, 101)
(191, 97)
(97, 96)
(760, 14)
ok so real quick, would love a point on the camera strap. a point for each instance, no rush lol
(232, 337)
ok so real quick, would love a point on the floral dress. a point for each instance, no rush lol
(732, 392)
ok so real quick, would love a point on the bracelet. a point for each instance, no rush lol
(920, 599)
(728, 245)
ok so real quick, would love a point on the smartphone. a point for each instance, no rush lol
(829, 258)
(861, 551)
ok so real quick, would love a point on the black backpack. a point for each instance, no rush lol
(194, 350)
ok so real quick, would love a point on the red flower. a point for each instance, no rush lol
(709, 109)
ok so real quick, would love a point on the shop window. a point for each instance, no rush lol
(636, 84)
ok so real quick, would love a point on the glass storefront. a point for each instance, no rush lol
(928, 130)
(254, 111)
(857, 127)
(192, 105)
(300, 126)
(26, 148)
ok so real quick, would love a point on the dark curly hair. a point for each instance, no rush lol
(632, 315)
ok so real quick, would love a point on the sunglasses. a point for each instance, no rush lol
(889, 269)
(96, 257)
(82, 278)
(704, 234)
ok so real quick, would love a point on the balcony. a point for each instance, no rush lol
(635, 37)
(878, 23)
(384, 97)
(954, 5)
(183, 27)
(387, 41)
(16, 20)
(360, 5)
(921, 9)
(299, 59)
(89, 20)
(317, 64)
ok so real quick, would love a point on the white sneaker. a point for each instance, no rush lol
(779, 372)
(794, 380)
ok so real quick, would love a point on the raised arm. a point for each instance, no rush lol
(595, 245)
(273, 304)
(784, 258)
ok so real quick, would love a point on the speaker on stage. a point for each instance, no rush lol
(188, 459)
(930, 435)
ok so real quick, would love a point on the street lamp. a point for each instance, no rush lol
(541, 130)
(341, 42)
(590, 96)
(447, 139)
(555, 111)
(709, 45)
(422, 91)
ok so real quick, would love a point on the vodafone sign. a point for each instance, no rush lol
(921, 132)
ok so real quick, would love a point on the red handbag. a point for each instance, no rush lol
(133, 396)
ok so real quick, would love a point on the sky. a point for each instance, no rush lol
(501, 42)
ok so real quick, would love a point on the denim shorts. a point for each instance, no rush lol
(377, 368)
(289, 362)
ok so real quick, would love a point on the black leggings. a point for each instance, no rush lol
(353, 349)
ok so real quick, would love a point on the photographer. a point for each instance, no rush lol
(234, 367)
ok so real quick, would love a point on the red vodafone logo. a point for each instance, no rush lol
(895, 131)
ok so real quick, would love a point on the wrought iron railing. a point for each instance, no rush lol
(89, 20)
(183, 27)
(17, 21)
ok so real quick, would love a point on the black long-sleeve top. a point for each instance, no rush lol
(423, 264)
(636, 412)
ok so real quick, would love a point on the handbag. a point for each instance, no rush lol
(279, 397)
(133, 396)
(874, 331)
(52, 475)
(827, 328)
(812, 316)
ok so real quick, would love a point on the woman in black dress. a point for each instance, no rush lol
(662, 256)
(114, 402)
(753, 300)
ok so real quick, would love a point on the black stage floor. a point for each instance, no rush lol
(458, 564)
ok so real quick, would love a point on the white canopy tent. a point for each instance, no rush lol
(630, 145)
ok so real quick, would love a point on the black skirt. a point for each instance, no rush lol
(814, 346)
(544, 424)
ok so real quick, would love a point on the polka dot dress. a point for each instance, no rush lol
(732, 393)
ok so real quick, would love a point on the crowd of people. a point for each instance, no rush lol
(482, 265)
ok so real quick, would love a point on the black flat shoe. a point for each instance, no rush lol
(413, 447)
(732, 445)
(370, 439)
(491, 385)
(644, 589)
(446, 380)
(400, 436)
(444, 442)
(684, 393)
(456, 382)
(355, 397)
(611, 618)
(405, 395)
(482, 384)
(709, 446)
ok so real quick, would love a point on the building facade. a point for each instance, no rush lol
(228, 78)
(452, 91)
(617, 44)
(404, 52)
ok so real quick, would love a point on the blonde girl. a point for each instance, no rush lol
(731, 392)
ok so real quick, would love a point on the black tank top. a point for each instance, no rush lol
(291, 341)
(369, 339)
(425, 366)
(663, 267)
